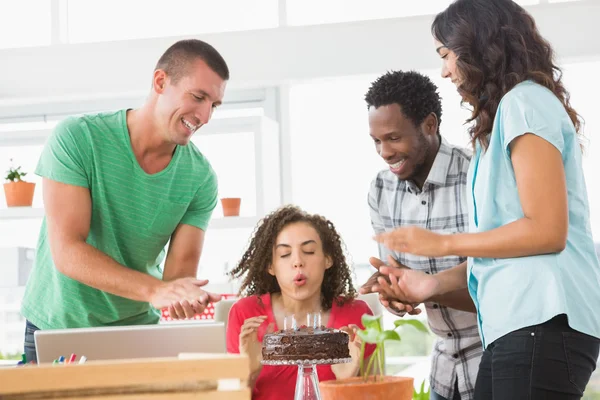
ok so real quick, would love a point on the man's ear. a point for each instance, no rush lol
(430, 124)
(159, 81)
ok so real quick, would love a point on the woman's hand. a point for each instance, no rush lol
(348, 370)
(249, 343)
(415, 240)
(406, 286)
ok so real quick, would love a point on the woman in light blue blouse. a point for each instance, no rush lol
(532, 271)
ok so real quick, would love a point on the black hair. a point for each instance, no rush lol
(415, 93)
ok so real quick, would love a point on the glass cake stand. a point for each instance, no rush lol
(307, 381)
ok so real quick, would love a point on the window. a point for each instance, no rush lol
(25, 23)
(333, 159)
(583, 92)
(106, 20)
(232, 157)
(222, 250)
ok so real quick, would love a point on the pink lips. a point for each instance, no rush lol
(300, 280)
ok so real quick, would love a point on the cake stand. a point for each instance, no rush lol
(307, 380)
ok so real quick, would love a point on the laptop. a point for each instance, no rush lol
(126, 342)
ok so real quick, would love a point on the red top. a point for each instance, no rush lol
(279, 382)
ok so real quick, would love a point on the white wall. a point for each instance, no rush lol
(267, 57)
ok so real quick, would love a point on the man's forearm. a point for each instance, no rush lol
(452, 279)
(453, 291)
(84, 263)
(458, 300)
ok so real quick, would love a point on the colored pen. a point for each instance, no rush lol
(72, 358)
(82, 359)
(61, 359)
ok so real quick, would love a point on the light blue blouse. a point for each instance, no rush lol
(512, 293)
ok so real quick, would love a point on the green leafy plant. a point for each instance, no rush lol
(373, 333)
(14, 174)
(421, 394)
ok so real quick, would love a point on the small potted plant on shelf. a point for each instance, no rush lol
(231, 206)
(18, 192)
(372, 382)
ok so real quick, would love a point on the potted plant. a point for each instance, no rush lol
(231, 206)
(18, 192)
(372, 382)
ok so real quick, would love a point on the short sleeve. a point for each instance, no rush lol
(234, 327)
(66, 155)
(204, 202)
(531, 108)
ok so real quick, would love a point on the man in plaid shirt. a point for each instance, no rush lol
(425, 186)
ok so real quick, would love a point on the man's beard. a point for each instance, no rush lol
(425, 149)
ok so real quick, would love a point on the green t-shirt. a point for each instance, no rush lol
(133, 217)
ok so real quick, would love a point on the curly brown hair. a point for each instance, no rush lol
(337, 282)
(497, 45)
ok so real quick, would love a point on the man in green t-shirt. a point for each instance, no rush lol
(117, 187)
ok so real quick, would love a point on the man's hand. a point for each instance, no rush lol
(249, 344)
(373, 285)
(183, 297)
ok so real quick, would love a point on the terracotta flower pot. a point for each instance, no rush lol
(231, 206)
(19, 193)
(386, 387)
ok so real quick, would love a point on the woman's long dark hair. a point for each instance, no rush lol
(498, 46)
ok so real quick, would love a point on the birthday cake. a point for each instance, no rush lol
(305, 343)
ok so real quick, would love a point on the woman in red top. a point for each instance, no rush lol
(294, 265)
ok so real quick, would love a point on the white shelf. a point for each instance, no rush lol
(21, 213)
(233, 222)
(216, 223)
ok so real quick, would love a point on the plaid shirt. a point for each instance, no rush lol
(440, 206)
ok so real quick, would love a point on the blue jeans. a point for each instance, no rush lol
(434, 396)
(547, 361)
(29, 345)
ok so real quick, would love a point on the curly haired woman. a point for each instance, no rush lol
(294, 265)
(532, 270)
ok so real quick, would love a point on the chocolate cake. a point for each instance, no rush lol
(305, 343)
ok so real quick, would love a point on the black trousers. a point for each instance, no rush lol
(547, 361)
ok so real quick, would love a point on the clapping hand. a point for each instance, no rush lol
(184, 297)
(375, 284)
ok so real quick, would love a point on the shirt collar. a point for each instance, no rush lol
(441, 165)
